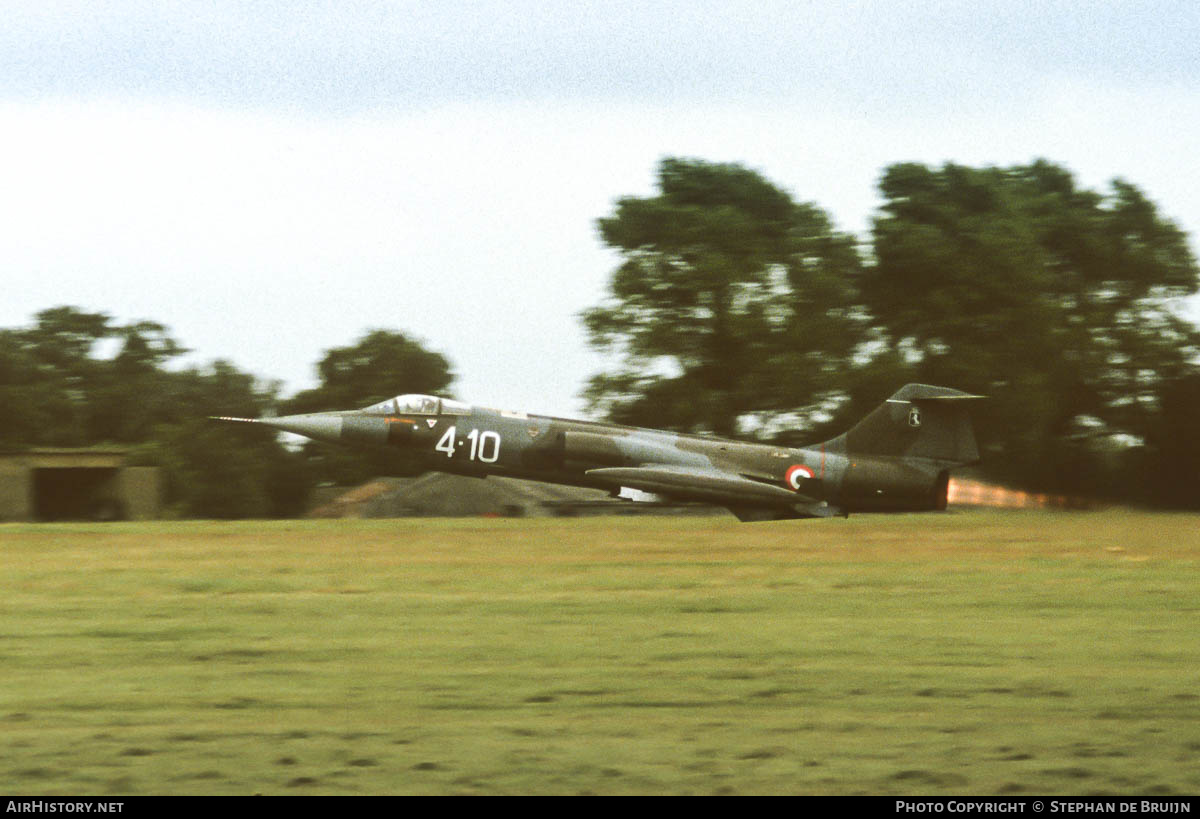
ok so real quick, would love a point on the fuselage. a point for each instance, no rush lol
(755, 481)
(562, 450)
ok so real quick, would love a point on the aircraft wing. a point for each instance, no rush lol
(711, 485)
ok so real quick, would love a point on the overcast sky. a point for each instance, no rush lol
(272, 179)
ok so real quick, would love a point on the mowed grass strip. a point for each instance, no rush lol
(960, 653)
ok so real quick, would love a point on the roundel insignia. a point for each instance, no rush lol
(796, 475)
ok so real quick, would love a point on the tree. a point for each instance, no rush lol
(24, 393)
(47, 374)
(56, 389)
(381, 364)
(1051, 299)
(223, 470)
(730, 298)
(1169, 464)
(132, 393)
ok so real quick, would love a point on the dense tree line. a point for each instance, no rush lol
(78, 379)
(736, 308)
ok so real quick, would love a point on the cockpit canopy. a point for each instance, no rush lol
(413, 404)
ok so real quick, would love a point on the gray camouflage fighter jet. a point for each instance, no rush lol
(898, 458)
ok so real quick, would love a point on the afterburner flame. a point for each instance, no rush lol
(963, 492)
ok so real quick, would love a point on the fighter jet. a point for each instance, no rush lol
(898, 458)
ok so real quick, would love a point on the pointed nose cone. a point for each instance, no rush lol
(321, 426)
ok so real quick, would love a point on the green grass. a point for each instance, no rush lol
(977, 653)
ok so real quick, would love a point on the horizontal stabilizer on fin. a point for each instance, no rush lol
(928, 392)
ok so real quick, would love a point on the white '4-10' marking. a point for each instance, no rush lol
(485, 446)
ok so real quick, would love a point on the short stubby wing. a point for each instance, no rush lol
(710, 485)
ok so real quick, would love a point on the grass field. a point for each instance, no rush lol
(980, 653)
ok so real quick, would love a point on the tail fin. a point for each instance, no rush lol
(919, 421)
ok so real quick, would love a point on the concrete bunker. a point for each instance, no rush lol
(76, 484)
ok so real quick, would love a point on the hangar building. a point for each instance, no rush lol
(76, 484)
